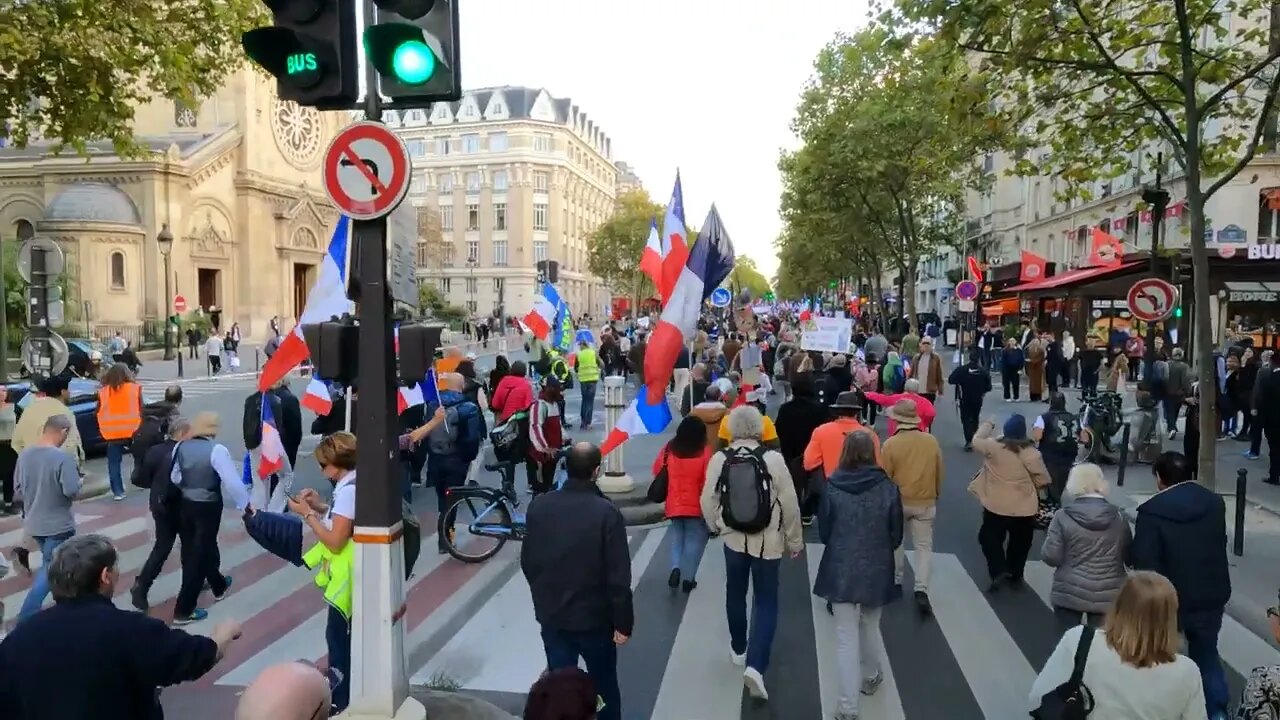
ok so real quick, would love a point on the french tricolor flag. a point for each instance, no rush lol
(641, 417)
(271, 458)
(325, 300)
(317, 397)
(652, 256)
(675, 243)
(546, 306)
(407, 397)
(709, 263)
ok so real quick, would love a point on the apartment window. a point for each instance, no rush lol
(499, 180)
(473, 182)
(442, 146)
(497, 142)
(499, 216)
(1131, 225)
(445, 286)
(473, 252)
(117, 270)
(417, 148)
(500, 252)
(446, 218)
(473, 217)
(471, 286)
(539, 216)
(498, 285)
(450, 253)
(542, 142)
(418, 185)
(541, 181)
(539, 250)
(445, 183)
(472, 307)
(470, 144)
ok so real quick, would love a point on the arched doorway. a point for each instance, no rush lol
(23, 229)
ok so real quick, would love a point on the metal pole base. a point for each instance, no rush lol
(410, 710)
(615, 483)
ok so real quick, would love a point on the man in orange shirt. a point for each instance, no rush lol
(827, 440)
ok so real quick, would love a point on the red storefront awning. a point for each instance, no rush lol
(1072, 277)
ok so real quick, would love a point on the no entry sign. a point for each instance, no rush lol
(966, 290)
(179, 304)
(1152, 299)
(366, 171)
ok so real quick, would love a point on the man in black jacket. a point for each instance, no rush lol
(86, 658)
(1181, 533)
(153, 429)
(155, 470)
(578, 566)
(972, 382)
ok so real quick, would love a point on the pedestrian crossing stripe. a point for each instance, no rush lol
(471, 627)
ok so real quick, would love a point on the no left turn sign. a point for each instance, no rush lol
(1152, 299)
(366, 170)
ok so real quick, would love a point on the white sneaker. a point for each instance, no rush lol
(737, 659)
(755, 684)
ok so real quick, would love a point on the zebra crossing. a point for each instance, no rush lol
(471, 628)
(239, 384)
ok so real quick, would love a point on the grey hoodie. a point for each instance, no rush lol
(1086, 545)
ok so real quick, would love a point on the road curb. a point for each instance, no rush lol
(643, 514)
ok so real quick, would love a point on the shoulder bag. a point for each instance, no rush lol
(1071, 700)
(657, 492)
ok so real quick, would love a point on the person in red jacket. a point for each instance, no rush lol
(685, 459)
(513, 394)
(546, 435)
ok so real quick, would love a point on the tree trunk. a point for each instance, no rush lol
(1205, 368)
(909, 291)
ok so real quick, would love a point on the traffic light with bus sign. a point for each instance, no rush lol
(311, 50)
(414, 47)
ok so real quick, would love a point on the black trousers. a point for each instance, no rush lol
(1005, 542)
(167, 519)
(1011, 382)
(969, 417)
(1059, 467)
(198, 524)
(1088, 383)
(931, 397)
(8, 461)
(1272, 432)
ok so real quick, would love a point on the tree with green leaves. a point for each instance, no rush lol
(745, 276)
(616, 245)
(76, 70)
(1100, 88)
(878, 180)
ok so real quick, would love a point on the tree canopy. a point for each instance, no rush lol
(75, 70)
(617, 243)
(879, 179)
(745, 276)
(1099, 89)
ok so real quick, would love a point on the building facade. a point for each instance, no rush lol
(514, 176)
(237, 181)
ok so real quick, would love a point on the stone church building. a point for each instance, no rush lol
(236, 179)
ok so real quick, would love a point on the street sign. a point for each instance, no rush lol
(1152, 299)
(179, 304)
(45, 356)
(402, 255)
(966, 306)
(721, 297)
(966, 290)
(54, 261)
(366, 170)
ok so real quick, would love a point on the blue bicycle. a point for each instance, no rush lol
(489, 515)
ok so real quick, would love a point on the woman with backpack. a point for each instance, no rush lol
(684, 460)
(1131, 668)
(894, 374)
(860, 523)
(750, 501)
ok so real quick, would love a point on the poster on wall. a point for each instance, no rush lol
(827, 334)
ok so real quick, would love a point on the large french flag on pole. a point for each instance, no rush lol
(675, 243)
(546, 306)
(272, 458)
(708, 264)
(642, 417)
(652, 256)
(325, 300)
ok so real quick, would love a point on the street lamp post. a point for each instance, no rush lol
(1158, 198)
(164, 240)
(471, 308)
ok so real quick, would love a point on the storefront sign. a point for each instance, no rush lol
(1264, 252)
(1110, 304)
(1253, 296)
(1232, 234)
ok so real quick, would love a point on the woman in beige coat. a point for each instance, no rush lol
(1008, 486)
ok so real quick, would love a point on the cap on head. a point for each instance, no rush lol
(1015, 428)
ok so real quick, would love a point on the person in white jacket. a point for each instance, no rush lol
(1069, 356)
(1132, 669)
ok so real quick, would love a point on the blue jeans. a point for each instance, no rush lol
(1201, 630)
(688, 540)
(40, 584)
(115, 458)
(763, 575)
(597, 650)
(337, 638)
(588, 402)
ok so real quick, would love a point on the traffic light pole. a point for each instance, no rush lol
(379, 681)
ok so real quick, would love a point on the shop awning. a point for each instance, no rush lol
(1072, 277)
(995, 308)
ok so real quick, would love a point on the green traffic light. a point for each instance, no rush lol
(1177, 312)
(413, 63)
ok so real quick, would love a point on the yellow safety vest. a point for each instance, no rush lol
(334, 575)
(588, 365)
(560, 368)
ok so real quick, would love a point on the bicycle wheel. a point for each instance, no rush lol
(455, 523)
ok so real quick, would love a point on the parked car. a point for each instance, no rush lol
(80, 354)
(83, 401)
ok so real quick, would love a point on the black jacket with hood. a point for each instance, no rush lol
(1181, 533)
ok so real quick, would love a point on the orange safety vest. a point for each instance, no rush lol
(119, 411)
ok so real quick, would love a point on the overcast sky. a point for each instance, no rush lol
(708, 86)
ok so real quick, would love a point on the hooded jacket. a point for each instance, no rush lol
(1181, 533)
(784, 532)
(710, 413)
(860, 523)
(1086, 544)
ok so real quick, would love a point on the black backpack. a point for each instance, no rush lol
(151, 432)
(1071, 700)
(746, 490)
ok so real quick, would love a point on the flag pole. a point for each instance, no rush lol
(691, 364)
(346, 420)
